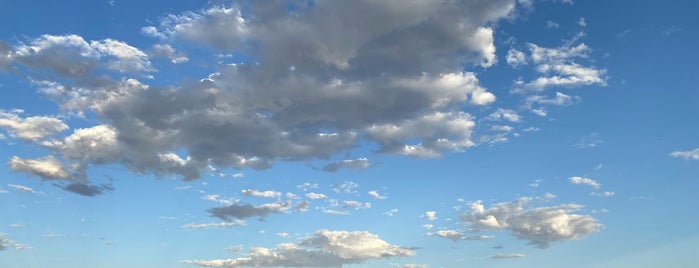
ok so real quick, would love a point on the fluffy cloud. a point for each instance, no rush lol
(316, 196)
(48, 168)
(516, 58)
(227, 213)
(585, 181)
(541, 226)
(558, 68)
(359, 164)
(30, 129)
(323, 249)
(376, 195)
(73, 56)
(430, 215)
(265, 194)
(504, 114)
(693, 154)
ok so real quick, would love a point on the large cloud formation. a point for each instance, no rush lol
(306, 81)
(324, 249)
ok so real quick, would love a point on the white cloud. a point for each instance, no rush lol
(456, 235)
(282, 234)
(585, 181)
(693, 154)
(560, 99)
(22, 188)
(504, 114)
(6, 243)
(48, 168)
(376, 195)
(603, 194)
(347, 187)
(541, 226)
(558, 69)
(430, 215)
(265, 194)
(391, 212)
(582, 22)
(194, 226)
(323, 249)
(313, 195)
(516, 58)
(168, 52)
(30, 129)
(552, 24)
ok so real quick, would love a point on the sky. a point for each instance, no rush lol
(464, 133)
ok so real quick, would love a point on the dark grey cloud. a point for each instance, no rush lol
(237, 211)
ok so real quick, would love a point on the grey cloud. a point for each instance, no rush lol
(359, 164)
(456, 235)
(508, 256)
(86, 189)
(5, 56)
(323, 249)
(541, 226)
(238, 211)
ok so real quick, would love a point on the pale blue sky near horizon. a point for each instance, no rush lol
(511, 133)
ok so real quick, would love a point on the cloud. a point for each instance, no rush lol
(321, 80)
(265, 194)
(391, 212)
(693, 154)
(86, 189)
(48, 168)
(227, 213)
(504, 114)
(456, 235)
(430, 215)
(359, 164)
(516, 58)
(560, 99)
(558, 69)
(508, 256)
(30, 129)
(376, 195)
(541, 226)
(22, 188)
(193, 226)
(585, 181)
(6, 243)
(312, 195)
(323, 249)
(73, 56)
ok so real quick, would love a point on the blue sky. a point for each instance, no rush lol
(509, 133)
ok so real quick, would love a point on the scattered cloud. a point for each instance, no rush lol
(430, 215)
(516, 58)
(693, 154)
(541, 226)
(227, 213)
(30, 129)
(313, 195)
(552, 24)
(456, 235)
(603, 194)
(48, 168)
(358, 164)
(265, 194)
(323, 249)
(376, 195)
(86, 189)
(391, 212)
(585, 181)
(22, 188)
(229, 224)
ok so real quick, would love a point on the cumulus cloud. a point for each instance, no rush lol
(227, 213)
(359, 164)
(585, 181)
(168, 52)
(541, 226)
(73, 56)
(313, 195)
(48, 168)
(558, 68)
(265, 194)
(30, 129)
(195, 226)
(323, 249)
(504, 114)
(516, 58)
(693, 154)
